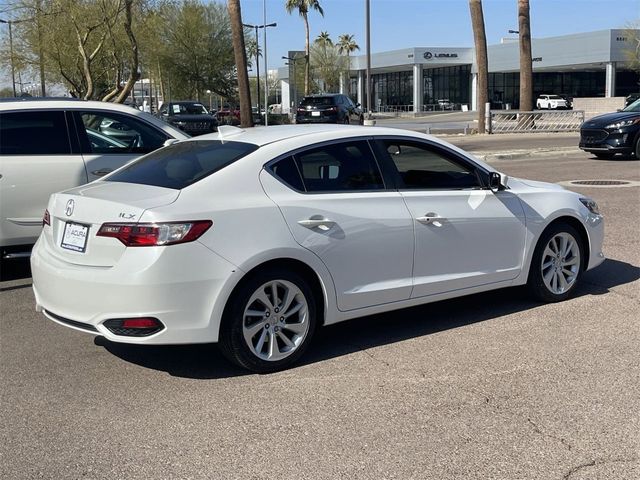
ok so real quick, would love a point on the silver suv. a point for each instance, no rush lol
(49, 145)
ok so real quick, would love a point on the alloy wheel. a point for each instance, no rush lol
(560, 263)
(275, 320)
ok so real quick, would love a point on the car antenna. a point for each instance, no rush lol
(228, 131)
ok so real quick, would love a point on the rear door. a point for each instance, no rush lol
(36, 160)
(108, 140)
(335, 203)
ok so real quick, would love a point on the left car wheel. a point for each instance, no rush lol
(269, 321)
(557, 264)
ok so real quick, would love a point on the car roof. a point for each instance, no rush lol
(61, 102)
(313, 132)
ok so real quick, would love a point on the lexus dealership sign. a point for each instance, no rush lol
(430, 55)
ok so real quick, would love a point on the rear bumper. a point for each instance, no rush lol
(179, 285)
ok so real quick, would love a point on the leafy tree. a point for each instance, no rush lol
(327, 65)
(303, 7)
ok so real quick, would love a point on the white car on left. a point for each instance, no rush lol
(551, 102)
(48, 145)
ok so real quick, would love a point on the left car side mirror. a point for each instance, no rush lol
(497, 181)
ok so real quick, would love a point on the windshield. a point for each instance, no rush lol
(555, 97)
(182, 164)
(188, 109)
(634, 107)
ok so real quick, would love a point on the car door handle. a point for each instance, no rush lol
(322, 223)
(430, 218)
(102, 172)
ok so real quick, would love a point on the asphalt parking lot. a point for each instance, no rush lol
(490, 386)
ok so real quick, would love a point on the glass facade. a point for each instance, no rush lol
(393, 90)
(446, 83)
(505, 87)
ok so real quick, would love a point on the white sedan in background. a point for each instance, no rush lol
(254, 238)
(551, 102)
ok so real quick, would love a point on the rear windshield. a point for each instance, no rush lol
(182, 164)
(318, 101)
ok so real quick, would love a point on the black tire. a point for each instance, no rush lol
(536, 281)
(361, 120)
(604, 155)
(346, 120)
(232, 341)
(636, 151)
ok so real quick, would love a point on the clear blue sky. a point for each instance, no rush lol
(422, 23)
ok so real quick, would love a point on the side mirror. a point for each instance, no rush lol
(358, 105)
(497, 181)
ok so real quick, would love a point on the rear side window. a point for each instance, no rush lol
(347, 166)
(182, 164)
(34, 133)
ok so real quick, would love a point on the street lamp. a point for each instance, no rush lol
(256, 27)
(209, 92)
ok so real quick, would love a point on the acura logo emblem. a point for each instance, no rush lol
(69, 208)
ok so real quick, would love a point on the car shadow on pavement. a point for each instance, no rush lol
(205, 361)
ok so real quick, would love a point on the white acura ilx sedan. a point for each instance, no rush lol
(254, 238)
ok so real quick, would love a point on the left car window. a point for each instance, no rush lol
(107, 132)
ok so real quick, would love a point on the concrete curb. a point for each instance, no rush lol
(523, 154)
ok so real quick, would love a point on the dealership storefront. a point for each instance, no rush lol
(415, 80)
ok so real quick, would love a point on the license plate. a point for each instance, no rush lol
(315, 114)
(75, 237)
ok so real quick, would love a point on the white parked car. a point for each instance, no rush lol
(254, 238)
(48, 145)
(551, 102)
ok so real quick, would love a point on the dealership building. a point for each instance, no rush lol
(591, 64)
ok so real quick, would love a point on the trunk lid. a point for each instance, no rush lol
(76, 216)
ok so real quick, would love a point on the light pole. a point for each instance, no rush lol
(256, 27)
(209, 92)
(368, 36)
(13, 68)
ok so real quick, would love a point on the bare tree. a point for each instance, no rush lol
(480, 40)
(526, 69)
(239, 50)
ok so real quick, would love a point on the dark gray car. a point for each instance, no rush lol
(190, 117)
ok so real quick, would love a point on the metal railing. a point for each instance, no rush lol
(399, 110)
(515, 121)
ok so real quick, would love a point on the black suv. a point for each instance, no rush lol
(619, 132)
(329, 108)
(190, 117)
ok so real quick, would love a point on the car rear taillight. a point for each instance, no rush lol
(134, 327)
(302, 110)
(154, 234)
(46, 219)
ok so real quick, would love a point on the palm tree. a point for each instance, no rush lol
(303, 7)
(480, 40)
(235, 18)
(324, 40)
(347, 44)
(526, 70)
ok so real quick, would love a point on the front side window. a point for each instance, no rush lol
(182, 164)
(421, 166)
(34, 133)
(107, 132)
(347, 166)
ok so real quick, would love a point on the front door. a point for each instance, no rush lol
(466, 235)
(335, 204)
